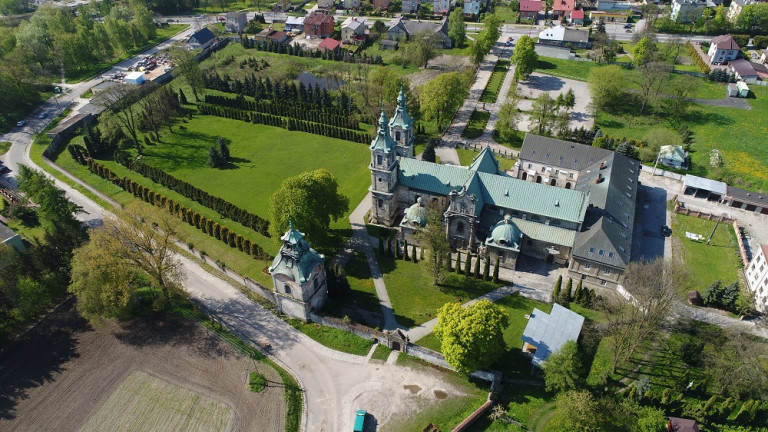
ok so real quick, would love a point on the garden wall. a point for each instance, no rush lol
(701, 215)
(742, 248)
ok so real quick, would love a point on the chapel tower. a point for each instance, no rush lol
(383, 174)
(401, 127)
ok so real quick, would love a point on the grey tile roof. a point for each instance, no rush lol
(750, 197)
(5, 233)
(565, 154)
(549, 332)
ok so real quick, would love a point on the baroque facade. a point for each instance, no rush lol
(563, 202)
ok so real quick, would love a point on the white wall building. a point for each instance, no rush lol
(757, 277)
(687, 11)
(723, 49)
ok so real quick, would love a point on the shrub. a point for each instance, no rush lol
(257, 382)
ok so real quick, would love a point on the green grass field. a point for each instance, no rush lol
(707, 262)
(381, 352)
(142, 402)
(491, 91)
(339, 340)
(466, 157)
(476, 124)
(363, 293)
(4, 147)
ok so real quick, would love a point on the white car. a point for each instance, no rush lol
(43, 115)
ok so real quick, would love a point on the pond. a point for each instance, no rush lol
(329, 82)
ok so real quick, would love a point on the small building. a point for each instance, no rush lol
(410, 6)
(560, 36)
(10, 238)
(294, 24)
(277, 36)
(329, 44)
(473, 7)
(562, 9)
(530, 9)
(546, 333)
(318, 25)
(441, 7)
(687, 11)
(298, 276)
(353, 30)
(737, 89)
(746, 200)
(326, 4)
(381, 5)
(134, 78)
(351, 4)
(609, 16)
(577, 17)
(682, 425)
(723, 49)
(673, 156)
(757, 277)
(504, 243)
(201, 39)
(387, 44)
(744, 70)
(701, 187)
(236, 22)
(403, 29)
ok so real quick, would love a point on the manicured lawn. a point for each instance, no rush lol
(447, 413)
(491, 91)
(476, 125)
(531, 406)
(466, 157)
(707, 262)
(578, 70)
(334, 338)
(381, 352)
(505, 13)
(4, 147)
(363, 293)
(414, 298)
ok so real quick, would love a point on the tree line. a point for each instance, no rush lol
(208, 226)
(299, 111)
(286, 123)
(298, 51)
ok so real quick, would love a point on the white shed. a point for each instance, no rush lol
(135, 78)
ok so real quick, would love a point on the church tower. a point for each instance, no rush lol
(383, 174)
(298, 275)
(401, 127)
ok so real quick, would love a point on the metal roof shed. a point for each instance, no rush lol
(705, 188)
(546, 333)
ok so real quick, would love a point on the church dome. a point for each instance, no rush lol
(506, 233)
(416, 214)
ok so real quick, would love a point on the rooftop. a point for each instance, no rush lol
(725, 42)
(549, 332)
(706, 184)
(531, 6)
(6, 233)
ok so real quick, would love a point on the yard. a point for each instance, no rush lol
(491, 91)
(476, 124)
(707, 262)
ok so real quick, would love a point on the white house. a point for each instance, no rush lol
(442, 7)
(561, 36)
(134, 78)
(472, 7)
(757, 277)
(687, 11)
(734, 10)
(673, 156)
(325, 4)
(353, 30)
(723, 49)
(351, 4)
(236, 22)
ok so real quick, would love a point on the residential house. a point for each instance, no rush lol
(403, 29)
(744, 70)
(763, 56)
(687, 11)
(561, 36)
(236, 22)
(318, 25)
(294, 24)
(562, 9)
(381, 5)
(734, 10)
(10, 238)
(723, 49)
(387, 44)
(577, 17)
(283, 6)
(612, 16)
(353, 30)
(474, 7)
(441, 7)
(410, 6)
(673, 156)
(298, 277)
(530, 9)
(201, 39)
(682, 425)
(326, 4)
(546, 333)
(278, 36)
(737, 89)
(757, 277)
(329, 44)
(351, 4)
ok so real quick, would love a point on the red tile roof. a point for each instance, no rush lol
(682, 425)
(530, 6)
(577, 14)
(317, 18)
(329, 44)
(564, 5)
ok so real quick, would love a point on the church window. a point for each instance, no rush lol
(381, 203)
(587, 266)
(460, 228)
(378, 159)
(287, 289)
(397, 136)
(379, 179)
(530, 165)
(315, 283)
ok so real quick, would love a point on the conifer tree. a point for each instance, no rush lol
(477, 267)
(567, 293)
(556, 291)
(468, 265)
(458, 262)
(496, 271)
(405, 250)
(578, 294)
(487, 268)
(413, 254)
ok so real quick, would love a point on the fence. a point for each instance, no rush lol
(700, 214)
(742, 248)
(357, 329)
(467, 422)
(662, 172)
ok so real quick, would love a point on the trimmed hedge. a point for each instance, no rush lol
(694, 55)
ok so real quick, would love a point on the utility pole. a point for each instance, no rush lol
(714, 229)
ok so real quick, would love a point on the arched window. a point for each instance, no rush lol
(381, 203)
(378, 159)
(568, 185)
(287, 289)
(460, 228)
(397, 136)
(538, 179)
(553, 182)
(525, 176)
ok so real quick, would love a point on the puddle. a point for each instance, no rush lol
(440, 394)
(413, 388)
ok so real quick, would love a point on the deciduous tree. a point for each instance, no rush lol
(563, 369)
(432, 237)
(457, 30)
(189, 70)
(441, 96)
(606, 84)
(422, 48)
(525, 58)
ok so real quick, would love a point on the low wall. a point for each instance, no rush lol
(742, 248)
(701, 214)
(473, 417)
(437, 359)
(357, 329)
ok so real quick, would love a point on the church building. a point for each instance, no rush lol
(563, 202)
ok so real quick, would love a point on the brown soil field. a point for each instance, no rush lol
(60, 373)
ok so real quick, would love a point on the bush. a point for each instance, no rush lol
(257, 382)
(694, 55)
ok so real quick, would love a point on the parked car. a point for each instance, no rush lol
(628, 25)
(359, 420)
(222, 18)
(201, 17)
(21, 123)
(43, 115)
(628, 30)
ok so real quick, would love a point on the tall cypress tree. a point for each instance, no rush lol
(487, 269)
(477, 267)
(556, 290)
(458, 262)
(467, 265)
(496, 271)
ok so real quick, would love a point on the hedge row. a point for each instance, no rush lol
(219, 205)
(305, 113)
(703, 66)
(213, 229)
(289, 123)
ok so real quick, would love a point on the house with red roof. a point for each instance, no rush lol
(562, 9)
(329, 44)
(577, 17)
(529, 9)
(318, 25)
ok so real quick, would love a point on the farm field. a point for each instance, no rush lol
(51, 376)
(143, 402)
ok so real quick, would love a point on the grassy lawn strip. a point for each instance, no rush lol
(707, 262)
(4, 147)
(491, 91)
(363, 293)
(476, 124)
(333, 338)
(256, 381)
(294, 403)
(414, 298)
(466, 157)
(382, 353)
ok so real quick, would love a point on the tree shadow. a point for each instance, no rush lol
(38, 356)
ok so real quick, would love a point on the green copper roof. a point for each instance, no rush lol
(296, 258)
(485, 162)
(416, 214)
(401, 117)
(383, 140)
(505, 234)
